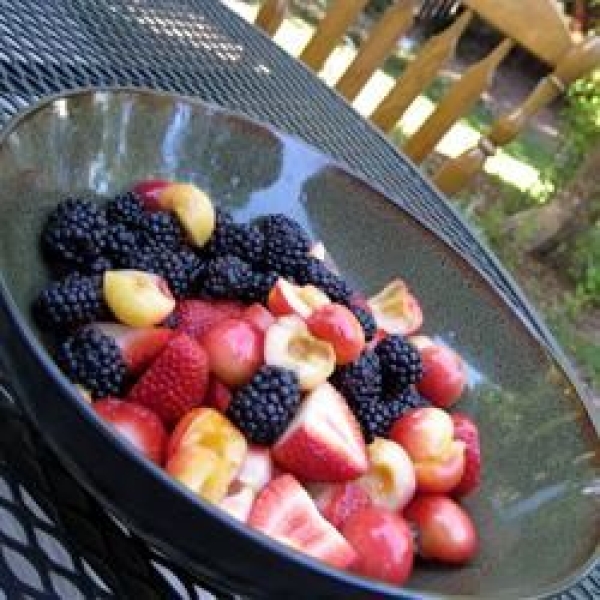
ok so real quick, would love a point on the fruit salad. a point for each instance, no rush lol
(233, 356)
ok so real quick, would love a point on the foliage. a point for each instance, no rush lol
(580, 130)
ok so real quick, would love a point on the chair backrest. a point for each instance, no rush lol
(537, 25)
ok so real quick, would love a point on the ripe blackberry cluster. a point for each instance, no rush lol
(125, 209)
(374, 417)
(159, 231)
(70, 302)
(231, 278)
(180, 268)
(361, 380)
(94, 360)
(286, 244)
(263, 408)
(237, 239)
(314, 272)
(404, 401)
(400, 363)
(74, 233)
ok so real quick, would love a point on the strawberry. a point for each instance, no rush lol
(175, 382)
(466, 431)
(338, 501)
(137, 424)
(139, 345)
(323, 442)
(196, 317)
(284, 511)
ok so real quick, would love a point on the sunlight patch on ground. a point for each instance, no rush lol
(293, 35)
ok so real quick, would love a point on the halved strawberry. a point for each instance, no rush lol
(323, 442)
(137, 424)
(175, 382)
(336, 502)
(466, 431)
(139, 345)
(284, 511)
(195, 317)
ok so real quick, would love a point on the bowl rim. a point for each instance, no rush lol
(41, 355)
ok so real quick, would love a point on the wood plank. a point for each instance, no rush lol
(271, 15)
(538, 25)
(581, 60)
(339, 17)
(419, 73)
(382, 40)
(458, 100)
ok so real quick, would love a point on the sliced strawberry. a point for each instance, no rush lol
(139, 345)
(284, 511)
(323, 442)
(336, 502)
(137, 424)
(196, 317)
(175, 382)
(466, 431)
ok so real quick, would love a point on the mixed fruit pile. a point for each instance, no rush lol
(236, 357)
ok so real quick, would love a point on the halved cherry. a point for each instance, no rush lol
(396, 310)
(289, 299)
(149, 192)
(289, 344)
(335, 324)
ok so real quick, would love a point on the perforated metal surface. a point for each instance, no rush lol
(56, 541)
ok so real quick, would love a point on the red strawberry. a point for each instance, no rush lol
(195, 317)
(323, 442)
(137, 424)
(284, 511)
(338, 501)
(466, 431)
(218, 395)
(139, 346)
(175, 382)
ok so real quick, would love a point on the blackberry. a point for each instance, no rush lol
(314, 272)
(286, 244)
(360, 381)
(70, 302)
(226, 277)
(220, 242)
(121, 243)
(404, 401)
(264, 407)
(74, 232)
(229, 238)
(373, 416)
(159, 231)
(249, 243)
(258, 286)
(125, 209)
(181, 269)
(366, 320)
(98, 266)
(400, 362)
(94, 360)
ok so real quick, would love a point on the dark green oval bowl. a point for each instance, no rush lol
(537, 511)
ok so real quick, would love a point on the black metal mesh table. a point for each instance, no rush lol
(55, 539)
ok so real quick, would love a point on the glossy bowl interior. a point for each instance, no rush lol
(537, 512)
